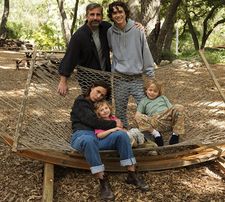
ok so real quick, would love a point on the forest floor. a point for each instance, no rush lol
(21, 179)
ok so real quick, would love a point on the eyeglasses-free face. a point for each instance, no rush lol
(94, 17)
(119, 16)
(97, 93)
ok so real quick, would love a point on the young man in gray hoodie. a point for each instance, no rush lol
(131, 58)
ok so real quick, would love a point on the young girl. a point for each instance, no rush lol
(156, 114)
(104, 111)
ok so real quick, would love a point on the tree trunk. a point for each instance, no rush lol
(169, 19)
(193, 33)
(152, 39)
(169, 38)
(134, 7)
(150, 14)
(64, 23)
(206, 30)
(74, 17)
(3, 29)
(191, 27)
(206, 35)
(150, 19)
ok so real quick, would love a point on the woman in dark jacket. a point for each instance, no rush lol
(84, 121)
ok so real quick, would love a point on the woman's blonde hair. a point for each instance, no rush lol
(158, 84)
(99, 104)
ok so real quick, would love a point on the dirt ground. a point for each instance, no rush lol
(21, 179)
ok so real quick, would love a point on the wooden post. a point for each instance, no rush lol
(48, 182)
(221, 163)
(177, 39)
(212, 74)
(24, 102)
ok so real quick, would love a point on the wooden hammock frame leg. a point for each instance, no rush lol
(48, 182)
(221, 163)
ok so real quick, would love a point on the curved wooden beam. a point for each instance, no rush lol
(145, 162)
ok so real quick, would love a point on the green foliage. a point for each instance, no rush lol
(15, 30)
(198, 11)
(168, 55)
(39, 21)
(189, 54)
(46, 37)
(185, 42)
(213, 56)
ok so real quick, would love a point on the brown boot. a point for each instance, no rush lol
(132, 178)
(105, 189)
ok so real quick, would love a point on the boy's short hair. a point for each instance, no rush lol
(117, 4)
(158, 84)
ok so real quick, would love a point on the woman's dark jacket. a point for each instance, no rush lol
(83, 116)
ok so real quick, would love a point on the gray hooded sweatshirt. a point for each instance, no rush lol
(131, 54)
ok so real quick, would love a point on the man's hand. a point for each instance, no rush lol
(62, 87)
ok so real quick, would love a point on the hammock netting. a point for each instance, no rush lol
(37, 117)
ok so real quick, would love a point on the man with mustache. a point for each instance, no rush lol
(88, 47)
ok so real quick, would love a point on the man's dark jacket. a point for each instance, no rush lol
(82, 50)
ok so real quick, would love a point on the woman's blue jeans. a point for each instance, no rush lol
(89, 145)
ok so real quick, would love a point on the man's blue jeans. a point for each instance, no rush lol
(89, 145)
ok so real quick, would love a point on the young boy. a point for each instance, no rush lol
(156, 114)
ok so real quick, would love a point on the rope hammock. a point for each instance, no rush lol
(40, 126)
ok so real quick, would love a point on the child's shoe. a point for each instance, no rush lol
(174, 139)
(159, 140)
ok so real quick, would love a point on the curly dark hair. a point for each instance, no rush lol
(100, 83)
(117, 4)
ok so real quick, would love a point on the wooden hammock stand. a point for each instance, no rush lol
(149, 163)
(193, 155)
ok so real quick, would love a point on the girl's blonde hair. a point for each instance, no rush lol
(99, 104)
(158, 84)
